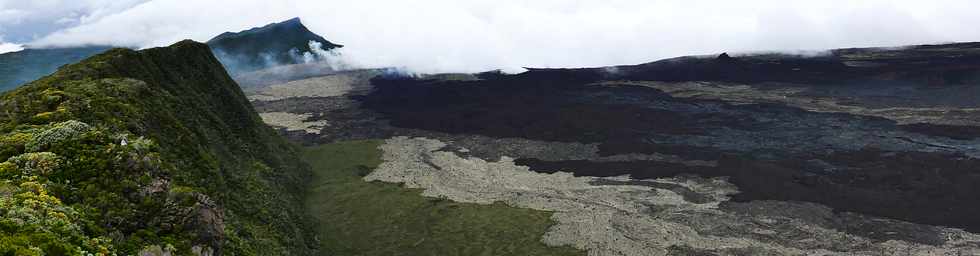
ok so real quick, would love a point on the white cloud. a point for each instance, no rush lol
(9, 47)
(25, 20)
(6, 47)
(475, 35)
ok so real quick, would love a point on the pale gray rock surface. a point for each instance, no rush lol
(625, 219)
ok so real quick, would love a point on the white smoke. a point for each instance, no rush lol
(331, 58)
(478, 35)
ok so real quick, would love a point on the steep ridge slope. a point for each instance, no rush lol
(155, 151)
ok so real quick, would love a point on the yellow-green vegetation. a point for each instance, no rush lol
(373, 218)
(155, 151)
(36, 223)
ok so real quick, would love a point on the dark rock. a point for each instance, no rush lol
(770, 151)
(723, 57)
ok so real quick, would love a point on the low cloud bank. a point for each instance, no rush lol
(10, 47)
(478, 35)
(22, 21)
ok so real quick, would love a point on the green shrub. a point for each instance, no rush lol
(35, 163)
(32, 222)
(13, 143)
(59, 133)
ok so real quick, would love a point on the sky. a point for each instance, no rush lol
(479, 35)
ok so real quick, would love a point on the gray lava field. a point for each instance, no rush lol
(858, 152)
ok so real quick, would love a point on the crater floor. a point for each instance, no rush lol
(681, 168)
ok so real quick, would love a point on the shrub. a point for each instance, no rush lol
(13, 144)
(35, 163)
(33, 222)
(60, 133)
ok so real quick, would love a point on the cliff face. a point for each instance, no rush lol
(152, 150)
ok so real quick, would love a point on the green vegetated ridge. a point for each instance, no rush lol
(17, 68)
(155, 151)
(373, 218)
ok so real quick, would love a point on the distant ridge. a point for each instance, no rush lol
(275, 44)
(934, 65)
(20, 67)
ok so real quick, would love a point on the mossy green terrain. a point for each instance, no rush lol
(155, 150)
(373, 218)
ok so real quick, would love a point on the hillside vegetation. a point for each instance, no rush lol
(155, 151)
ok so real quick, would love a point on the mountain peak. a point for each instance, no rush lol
(270, 45)
(724, 56)
(294, 20)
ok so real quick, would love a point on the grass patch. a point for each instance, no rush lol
(374, 218)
